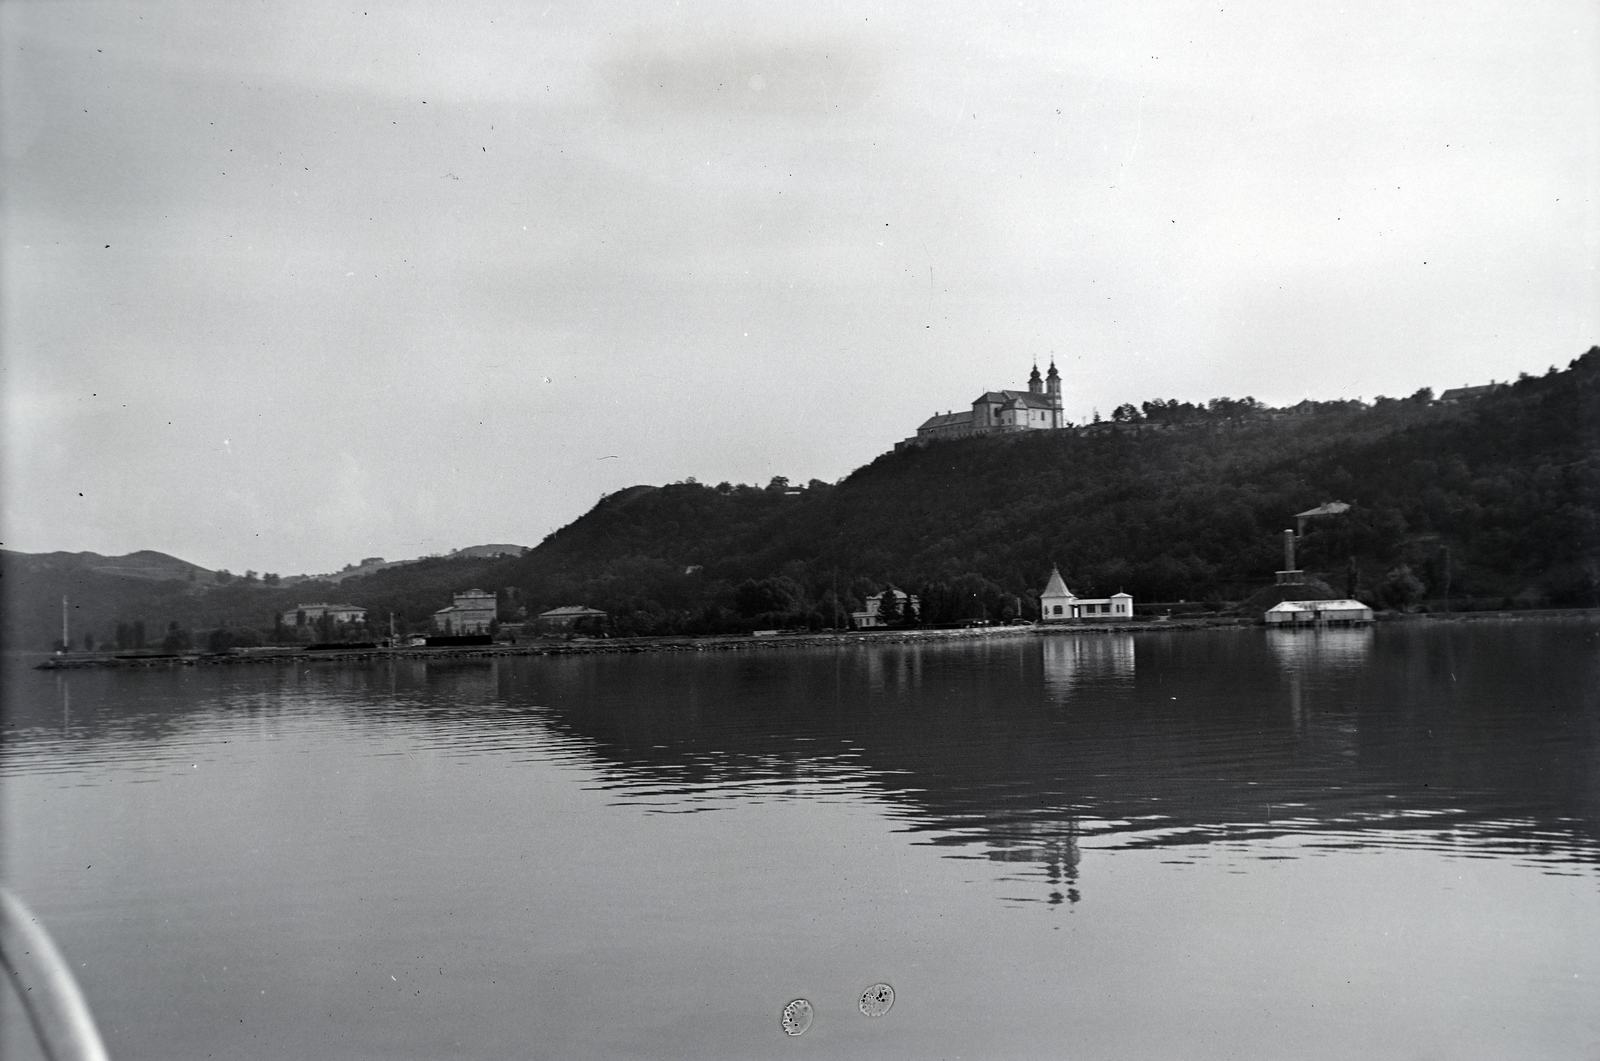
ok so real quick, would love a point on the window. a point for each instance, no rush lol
(1058, 609)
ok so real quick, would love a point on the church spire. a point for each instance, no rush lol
(1034, 387)
(1052, 380)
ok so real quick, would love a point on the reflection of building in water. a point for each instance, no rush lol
(1058, 854)
(1072, 659)
(1307, 650)
(1307, 655)
(897, 667)
(464, 682)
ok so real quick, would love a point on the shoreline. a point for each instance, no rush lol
(738, 643)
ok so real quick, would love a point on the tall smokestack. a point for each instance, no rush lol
(1288, 550)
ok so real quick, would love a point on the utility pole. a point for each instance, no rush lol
(1447, 578)
(65, 644)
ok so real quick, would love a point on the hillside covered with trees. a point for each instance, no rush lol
(1494, 500)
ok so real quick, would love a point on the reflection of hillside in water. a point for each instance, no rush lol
(1472, 738)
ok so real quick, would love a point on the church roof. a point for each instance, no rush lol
(1056, 587)
(1026, 398)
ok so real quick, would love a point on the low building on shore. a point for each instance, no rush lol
(472, 611)
(571, 619)
(1318, 612)
(1058, 604)
(310, 614)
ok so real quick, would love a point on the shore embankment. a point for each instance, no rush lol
(723, 643)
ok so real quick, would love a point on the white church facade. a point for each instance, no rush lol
(1058, 604)
(1036, 409)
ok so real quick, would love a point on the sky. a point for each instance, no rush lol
(288, 285)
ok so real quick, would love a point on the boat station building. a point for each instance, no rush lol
(1058, 604)
(1304, 612)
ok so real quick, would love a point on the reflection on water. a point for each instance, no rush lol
(1325, 649)
(1073, 658)
(1031, 762)
(1175, 740)
(1319, 654)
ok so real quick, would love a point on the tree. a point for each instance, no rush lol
(1126, 413)
(771, 597)
(889, 608)
(176, 640)
(1401, 589)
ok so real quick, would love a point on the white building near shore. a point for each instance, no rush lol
(1058, 604)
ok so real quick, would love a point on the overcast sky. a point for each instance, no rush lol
(290, 285)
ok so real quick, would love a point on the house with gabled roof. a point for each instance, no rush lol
(1466, 394)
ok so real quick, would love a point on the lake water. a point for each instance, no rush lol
(1222, 844)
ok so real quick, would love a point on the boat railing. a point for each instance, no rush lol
(45, 984)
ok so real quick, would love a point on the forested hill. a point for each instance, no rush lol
(1492, 498)
(1499, 494)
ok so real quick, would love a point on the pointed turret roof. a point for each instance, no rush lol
(1056, 587)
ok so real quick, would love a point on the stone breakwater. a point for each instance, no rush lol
(622, 645)
(613, 646)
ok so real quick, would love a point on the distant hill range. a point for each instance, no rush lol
(146, 564)
(156, 590)
(1493, 496)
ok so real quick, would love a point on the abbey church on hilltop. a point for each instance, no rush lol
(1036, 409)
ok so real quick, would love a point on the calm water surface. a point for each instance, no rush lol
(1225, 844)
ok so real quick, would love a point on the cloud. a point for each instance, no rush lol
(737, 72)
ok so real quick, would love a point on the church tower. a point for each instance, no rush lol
(1053, 390)
(1034, 386)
